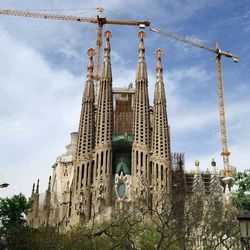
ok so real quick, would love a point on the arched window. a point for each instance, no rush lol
(161, 172)
(87, 175)
(92, 172)
(141, 159)
(77, 177)
(106, 161)
(101, 159)
(97, 164)
(82, 176)
(136, 153)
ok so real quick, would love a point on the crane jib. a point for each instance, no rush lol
(99, 20)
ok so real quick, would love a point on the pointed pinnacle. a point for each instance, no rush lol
(141, 67)
(49, 184)
(91, 52)
(213, 164)
(108, 35)
(33, 188)
(37, 187)
(141, 36)
(197, 167)
(159, 53)
(159, 87)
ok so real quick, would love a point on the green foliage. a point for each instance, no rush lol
(12, 221)
(241, 198)
(145, 229)
(13, 210)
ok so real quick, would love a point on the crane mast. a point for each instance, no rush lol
(225, 152)
(219, 53)
(100, 20)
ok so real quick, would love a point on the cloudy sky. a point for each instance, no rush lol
(43, 68)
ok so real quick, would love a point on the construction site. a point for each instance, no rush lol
(121, 154)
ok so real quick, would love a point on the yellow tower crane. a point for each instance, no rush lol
(100, 20)
(219, 53)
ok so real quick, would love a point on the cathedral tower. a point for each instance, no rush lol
(160, 164)
(141, 125)
(104, 129)
(83, 173)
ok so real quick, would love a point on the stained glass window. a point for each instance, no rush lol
(121, 190)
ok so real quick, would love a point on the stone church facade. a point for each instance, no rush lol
(120, 155)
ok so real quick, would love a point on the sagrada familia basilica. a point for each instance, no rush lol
(120, 155)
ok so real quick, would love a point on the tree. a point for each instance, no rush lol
(12, 220)
(205, 223)
(241, 197)
(160, 225)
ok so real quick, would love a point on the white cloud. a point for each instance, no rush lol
(38, 117)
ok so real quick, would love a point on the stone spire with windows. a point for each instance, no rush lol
(161, 156)
(104, 127)
(141, 125)
(83, 173)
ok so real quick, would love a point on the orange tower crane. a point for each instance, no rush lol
(219, 53)
(100, 20)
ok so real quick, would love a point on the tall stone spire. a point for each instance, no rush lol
(104, 128)
(83, 174)
(85, 143)
(47, 204)
(36, 201)
(141, 124)
(161, 156)
(33, 190)
(37, 187)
